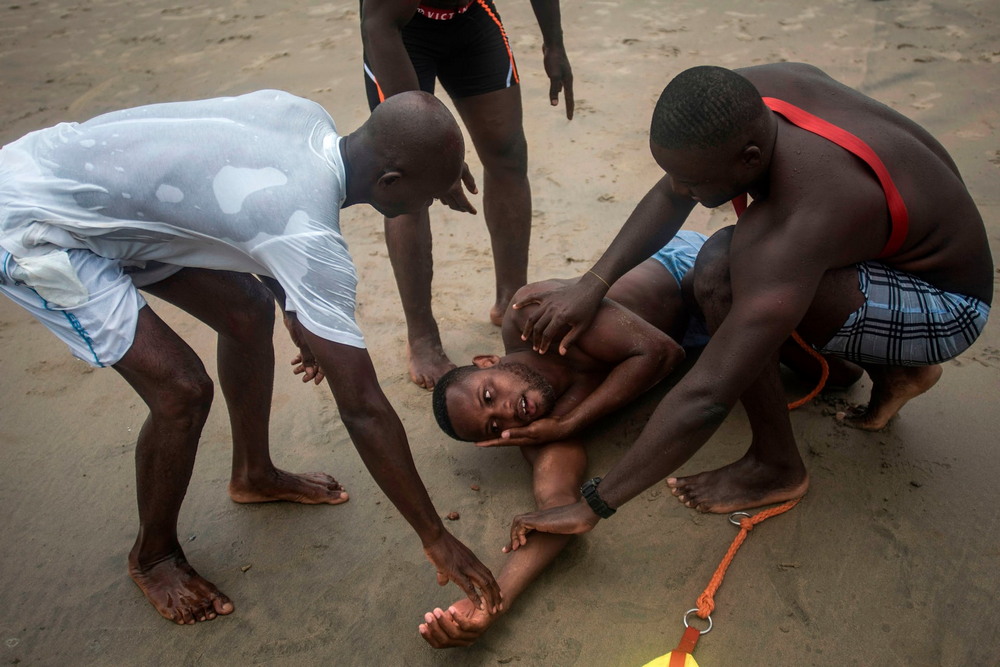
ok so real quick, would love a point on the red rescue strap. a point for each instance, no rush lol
(900, 220)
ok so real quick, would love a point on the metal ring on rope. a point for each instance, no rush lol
(736, 522)
(700, 632)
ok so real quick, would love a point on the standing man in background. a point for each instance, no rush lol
(407, 44)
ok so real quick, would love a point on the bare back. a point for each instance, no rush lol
(817, 183)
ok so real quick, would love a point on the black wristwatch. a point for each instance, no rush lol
(589, 491)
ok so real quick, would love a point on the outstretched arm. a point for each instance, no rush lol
(564, 314)
(557, 472)
(554, 56)
(774, 282)
(381, 441)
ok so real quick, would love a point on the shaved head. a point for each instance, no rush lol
(705, 107)
(415, 133)
(409, 152)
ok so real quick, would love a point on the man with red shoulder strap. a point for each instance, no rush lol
(860, 235)
(407, 45)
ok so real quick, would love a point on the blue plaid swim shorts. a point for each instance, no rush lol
(906, 321)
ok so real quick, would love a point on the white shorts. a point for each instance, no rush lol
(101, 329)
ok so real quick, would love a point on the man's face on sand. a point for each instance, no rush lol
(489, 400)
(709, 176)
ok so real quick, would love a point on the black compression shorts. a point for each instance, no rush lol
(469, 53)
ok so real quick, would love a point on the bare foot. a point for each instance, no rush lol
(461, 625)
(892, 387)
(740, 485)
(178, 592)
(311, 488)
(496, 313)
(428, 362)
(500, 307)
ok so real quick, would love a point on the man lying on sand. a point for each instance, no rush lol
(543, 403)
(864, 239)
(185, 200)
(625, 352)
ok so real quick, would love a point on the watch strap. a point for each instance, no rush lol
(589, 492)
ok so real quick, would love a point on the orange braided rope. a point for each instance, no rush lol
(824, 372)
(706, 601)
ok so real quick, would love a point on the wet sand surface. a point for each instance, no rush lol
(891, 559)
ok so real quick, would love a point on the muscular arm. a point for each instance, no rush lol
(639, 355)
(549, 21)
(642, 356)
(652, 223)
(773, 285)
(382, 23)
(379, 437)
(774, 280)
(377, 433)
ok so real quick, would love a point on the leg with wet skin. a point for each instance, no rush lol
(771, 470)
(245, 355)
(171, 380)
(557, 472)
(842, 373)
(408, 239)
(494, 121)
(892, 388)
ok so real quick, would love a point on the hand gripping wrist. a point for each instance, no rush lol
(589, 493)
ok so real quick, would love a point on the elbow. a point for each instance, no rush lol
(713, 413)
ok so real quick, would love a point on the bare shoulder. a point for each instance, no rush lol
(782, 72)
(512, 326)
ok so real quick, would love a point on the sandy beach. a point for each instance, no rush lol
(891, 558)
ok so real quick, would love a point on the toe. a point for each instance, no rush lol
(222, 605)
